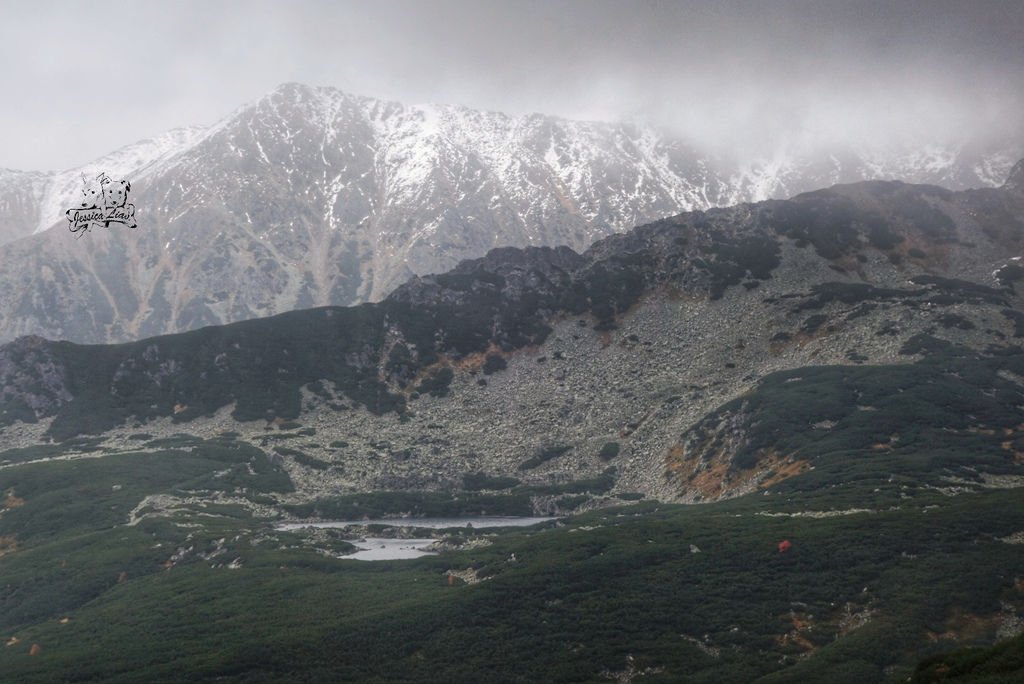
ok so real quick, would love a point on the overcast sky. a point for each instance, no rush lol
(81, 79)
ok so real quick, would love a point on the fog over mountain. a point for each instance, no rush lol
(729, 76)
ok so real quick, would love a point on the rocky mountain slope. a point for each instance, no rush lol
(552, 367)
(312, 197)
(838, 378)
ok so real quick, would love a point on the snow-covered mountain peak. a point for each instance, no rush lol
(311, 195)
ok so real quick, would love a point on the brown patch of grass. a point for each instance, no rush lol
(936, 255)
(849, 264)
(420, 375)
(886, 446)
(8, 545)
(677, 462)
(475, 361)
(714, 476)
(962, 626)
(1018, 456)
(471, 363)
(12, 500)
(785, 470)
(801, 623)
(711, 482)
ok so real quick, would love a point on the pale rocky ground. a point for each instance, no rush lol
(642, 385)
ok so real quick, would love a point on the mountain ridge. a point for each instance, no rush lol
(586, 348)
(311, 196)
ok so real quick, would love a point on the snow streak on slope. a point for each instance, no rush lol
(132, 162)
(31, 202)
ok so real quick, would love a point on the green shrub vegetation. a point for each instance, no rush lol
(613, 588)
(303, 458)
(948, 413)
(609, 451)
(436, 384)
(156, 565)
(494, 363)
(478, 481)
(418, 504)
(999, 664)
(543, 455)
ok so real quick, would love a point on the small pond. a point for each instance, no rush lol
(378, 548)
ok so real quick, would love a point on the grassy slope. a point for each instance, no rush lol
(858, 598)
(576, 602)
(999, 664)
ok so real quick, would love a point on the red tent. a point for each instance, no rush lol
(784, 546)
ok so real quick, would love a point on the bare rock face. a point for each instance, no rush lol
(1015, 180)
(33, 383)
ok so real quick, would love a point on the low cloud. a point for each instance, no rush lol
(737, 76)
